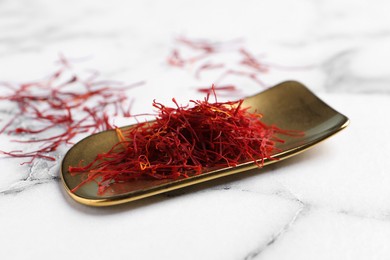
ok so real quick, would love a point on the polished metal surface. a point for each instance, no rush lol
(289, 105)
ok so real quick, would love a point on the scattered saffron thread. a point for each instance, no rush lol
(203, 55)
(60, 107)
(219, 88)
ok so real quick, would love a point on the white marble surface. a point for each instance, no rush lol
(332, 202)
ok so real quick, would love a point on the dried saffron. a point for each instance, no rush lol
(203, 55)
(184, 141)
(227, 59)
(51, 112)
(224, 88)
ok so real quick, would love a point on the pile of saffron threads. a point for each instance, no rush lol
(184, 141)
(51, 112)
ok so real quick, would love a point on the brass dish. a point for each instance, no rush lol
(289, 105)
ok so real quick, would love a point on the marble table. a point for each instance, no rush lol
(332, 202)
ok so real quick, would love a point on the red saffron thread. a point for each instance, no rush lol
(184, 141)
(207, 66)
(61, 107)
(228, 88)
(252, 62)
(202, 54)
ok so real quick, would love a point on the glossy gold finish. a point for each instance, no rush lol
(288, 105)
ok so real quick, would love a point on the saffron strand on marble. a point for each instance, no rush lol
(205, 56)
(51, 112)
